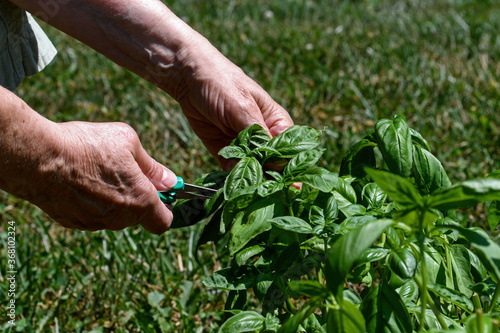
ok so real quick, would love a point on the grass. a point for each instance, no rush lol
(339, 64)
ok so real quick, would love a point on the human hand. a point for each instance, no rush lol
(219, 101)
(102, 178)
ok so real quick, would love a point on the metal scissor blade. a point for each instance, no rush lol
(187, 195)
(199, 189)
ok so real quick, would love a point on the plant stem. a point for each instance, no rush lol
(432, 305)
(423, 286)
(494, 299)
(289, 305)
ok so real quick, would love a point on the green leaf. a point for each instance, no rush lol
(309, 288)
(412, 217)
(292, 223)
(486, 249)
(385, 311)
(312, 324)
(302, 162)
(294, 140)
(399, 190)
(323, 210)
(478, 270)
(480, 323)
(231, 152)
(372, 196)
(402, 262)
(271, 324)
(358, 156)
(372, 254)
(247, 253)
(292, 324)
(394, 141)
(254, 221)
(269, 187)
(461, 264)
(466, 194)
(428, 171)
(246, 321)
(247, 172)
(251, 138)
(317, 177)
(409, 292)
(225, 279)
(452, 296)
(345, 190)
(347, 319)
(494, 214)
(347, 250)
(419, 140)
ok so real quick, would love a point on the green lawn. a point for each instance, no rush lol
(336, 64)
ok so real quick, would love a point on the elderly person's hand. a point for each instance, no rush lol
(87, 176)
(219, 101)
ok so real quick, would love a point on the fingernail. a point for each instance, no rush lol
(169, 179)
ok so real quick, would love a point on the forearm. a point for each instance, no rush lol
(143, 36)
(26, 141)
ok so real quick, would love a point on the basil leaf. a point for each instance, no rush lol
(309, 288)
(428, 172)
(317, 177)
(480, 324)
(358, 156)
(292, 223)
(232, 152)
(452, 296)
(252, 223)
(372, 254)
(385, 311)
(372, 196)
(486, 249)
(400, 190)
(394, 142)
(461, 264)
(292, 324)
(302, 162)
(402, 262)
(246, 321)
(247, 172)
(466, 194)
(225, 279)
(247, 253)
(349, 320)
(251, 138)
(351, 247)
(294, 140)
(345, 190)
(419, 140)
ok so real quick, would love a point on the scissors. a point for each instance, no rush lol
(183, 190)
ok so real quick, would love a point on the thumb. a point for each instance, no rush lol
(162, 178)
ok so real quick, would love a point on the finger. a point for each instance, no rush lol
(158, 219)
(161, 177)
(276, 118)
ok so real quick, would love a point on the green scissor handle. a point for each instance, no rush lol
(168, 197)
